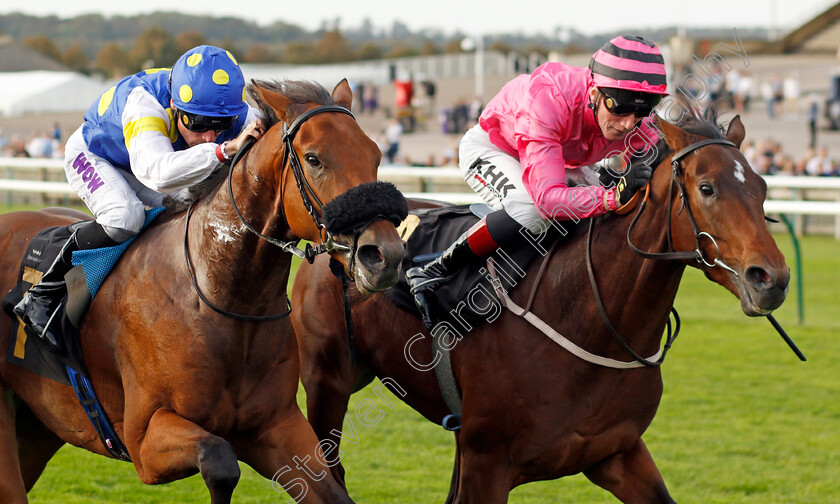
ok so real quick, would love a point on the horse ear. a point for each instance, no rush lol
(675, 137)
(342, 95)
(276, 101)
(735, 133)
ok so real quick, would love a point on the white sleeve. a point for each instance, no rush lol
(148, 130)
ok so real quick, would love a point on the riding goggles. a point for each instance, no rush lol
(621, 102)
(198, 123)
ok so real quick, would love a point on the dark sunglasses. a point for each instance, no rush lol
(623, 108)
(201, 123)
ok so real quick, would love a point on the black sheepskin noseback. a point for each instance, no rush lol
(363, 204)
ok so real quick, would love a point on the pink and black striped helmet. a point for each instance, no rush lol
(629, 62)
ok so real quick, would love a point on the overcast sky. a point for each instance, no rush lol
(470, 16)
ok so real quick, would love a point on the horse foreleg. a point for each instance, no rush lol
(36, 445)
(485, 478)
(289, 453)
(174, 448)
(328, 391)
(631, 476)
(12, 489)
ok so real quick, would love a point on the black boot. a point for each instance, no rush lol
(495, 230)
(426, 278)
(43, 300)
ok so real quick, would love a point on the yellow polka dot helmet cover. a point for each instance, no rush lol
(207, 80)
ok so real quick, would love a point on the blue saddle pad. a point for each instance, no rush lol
(97, 263)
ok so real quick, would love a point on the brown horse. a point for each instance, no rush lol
(188, 389)
(532, 410)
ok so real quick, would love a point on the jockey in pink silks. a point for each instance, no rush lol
(528, 154)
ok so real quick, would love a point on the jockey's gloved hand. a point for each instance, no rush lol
(609, 171)
(627, 186)
(607, 177)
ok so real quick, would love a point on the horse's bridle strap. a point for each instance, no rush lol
(288, 137)
(702, 143)
(292, 129)
(676, 177)
(287, 246)
(308, 194)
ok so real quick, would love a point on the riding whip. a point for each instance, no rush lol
(785, 337)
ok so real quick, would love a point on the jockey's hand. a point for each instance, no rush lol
(253, 129)
(636, 178)
(607, 178)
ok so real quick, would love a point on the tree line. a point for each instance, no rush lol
(156, 47)
(122, 45)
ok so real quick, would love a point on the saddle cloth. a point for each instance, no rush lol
(468, 298)
(91, 267)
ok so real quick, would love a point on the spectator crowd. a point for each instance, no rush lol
(39, 144)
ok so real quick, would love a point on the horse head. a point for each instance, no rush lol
(717, 208)
(327, 178)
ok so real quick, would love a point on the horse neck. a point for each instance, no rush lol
(221, 242)
(637, 293)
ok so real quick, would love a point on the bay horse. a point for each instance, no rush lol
(531, 410)
(188, 389)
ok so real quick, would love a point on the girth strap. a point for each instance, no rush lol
(446, 378)
(96, 414)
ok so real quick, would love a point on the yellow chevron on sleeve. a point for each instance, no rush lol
(143, 124)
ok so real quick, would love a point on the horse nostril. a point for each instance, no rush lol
(371, 257)
(759, 278)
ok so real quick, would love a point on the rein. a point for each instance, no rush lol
(696, 254)
(207, 302)
(290, 156)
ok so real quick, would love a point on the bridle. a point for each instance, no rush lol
(291, 158)
(677, 177)
(677, 173)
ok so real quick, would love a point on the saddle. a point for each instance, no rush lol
(91, 267)
(468, 299)
(26, 349)
(65, 361)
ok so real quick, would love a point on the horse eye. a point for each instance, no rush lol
(707, 189)
(312, 161)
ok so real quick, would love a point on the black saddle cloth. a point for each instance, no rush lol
(27, 349)
(468, 298)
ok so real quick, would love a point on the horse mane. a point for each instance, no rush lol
(298, 91)
(698, 122)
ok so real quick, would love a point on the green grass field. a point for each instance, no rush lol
(741, 420)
